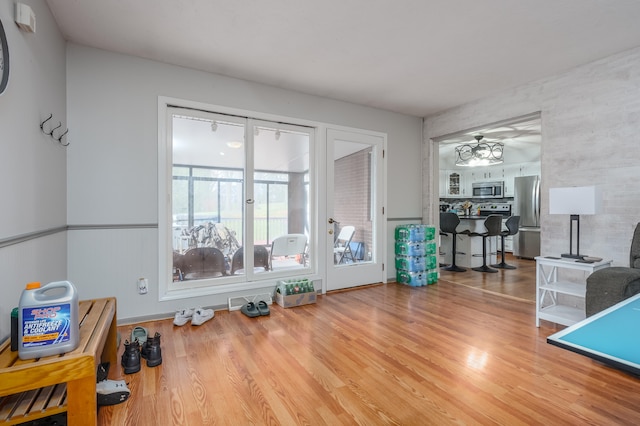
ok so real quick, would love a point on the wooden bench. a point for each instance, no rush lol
(37, 388)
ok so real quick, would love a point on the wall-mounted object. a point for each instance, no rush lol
(25, 18)
(4, 60)
(58, 137)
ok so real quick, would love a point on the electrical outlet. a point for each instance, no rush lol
(143, 285)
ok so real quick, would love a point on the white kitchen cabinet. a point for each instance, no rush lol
(529, 169)
(510, 172)
(454, 184)
(508, 244)
(487, 174)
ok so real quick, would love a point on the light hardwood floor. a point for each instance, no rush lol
(444, 354)
(518, 283)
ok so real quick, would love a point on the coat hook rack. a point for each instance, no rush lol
(51, 132)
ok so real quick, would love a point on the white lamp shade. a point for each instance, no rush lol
(575, 200)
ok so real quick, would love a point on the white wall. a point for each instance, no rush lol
(590, 124)
(113, 104)
(32, 165)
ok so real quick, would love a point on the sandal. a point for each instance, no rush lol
(263, 308)
(139, 333)
(250, 310)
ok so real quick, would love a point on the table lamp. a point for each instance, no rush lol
(575, 201)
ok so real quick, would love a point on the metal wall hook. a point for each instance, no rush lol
(50, 133)
(42, 124)
(52, 130)
(61, 136)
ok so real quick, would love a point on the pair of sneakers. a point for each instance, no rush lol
(197, 316)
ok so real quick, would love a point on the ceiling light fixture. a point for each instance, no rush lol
(479, 154)
(214, 126)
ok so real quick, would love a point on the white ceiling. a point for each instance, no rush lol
(416, 57)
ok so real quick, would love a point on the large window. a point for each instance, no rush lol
(238, 187)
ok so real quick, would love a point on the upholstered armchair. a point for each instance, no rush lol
(609, 286)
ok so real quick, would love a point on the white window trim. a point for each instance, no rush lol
(230, 284)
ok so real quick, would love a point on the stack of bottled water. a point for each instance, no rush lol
(416, 260)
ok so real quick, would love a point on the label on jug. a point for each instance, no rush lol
(45, 325)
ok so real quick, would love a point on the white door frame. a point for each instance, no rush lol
(368, 272)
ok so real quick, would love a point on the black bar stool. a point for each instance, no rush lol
(448, 224)
(512, 225)
(493, 226)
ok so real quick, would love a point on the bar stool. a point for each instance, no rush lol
(448, 224)
(512, 225)
(493, 225)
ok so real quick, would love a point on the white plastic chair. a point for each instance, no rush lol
(288, 245)
(342, 249)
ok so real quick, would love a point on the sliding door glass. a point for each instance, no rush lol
(238, 187)
(207, 202)
(281, 208)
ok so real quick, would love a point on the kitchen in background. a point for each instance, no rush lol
(486, 188)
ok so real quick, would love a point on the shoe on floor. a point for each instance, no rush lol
(250, 309)
(131, 357)
(183, 316)
(103, 371)
(200, 316)
(111, 392)
(139, 333)
(152, 351)
(263, 308)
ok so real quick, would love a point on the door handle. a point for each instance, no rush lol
(331, 220)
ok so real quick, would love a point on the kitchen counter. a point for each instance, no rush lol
(469, 248)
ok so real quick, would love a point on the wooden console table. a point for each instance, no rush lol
(41, 387)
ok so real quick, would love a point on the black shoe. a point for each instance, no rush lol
(153, 353)
(131, 357)
(103, 372)
(111, 392)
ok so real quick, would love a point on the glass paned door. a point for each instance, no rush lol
(355, 194)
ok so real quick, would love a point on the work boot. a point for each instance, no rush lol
(153, 353)
(131, 357)
(144, 348)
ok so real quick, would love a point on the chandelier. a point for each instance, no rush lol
(479, 154)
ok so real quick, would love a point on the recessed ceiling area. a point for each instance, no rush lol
(521, 141)
(416, 57)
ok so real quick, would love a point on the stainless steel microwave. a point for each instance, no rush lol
(488, 189)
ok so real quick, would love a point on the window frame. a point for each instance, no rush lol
(166, 109)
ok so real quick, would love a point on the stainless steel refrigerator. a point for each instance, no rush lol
(526, 204)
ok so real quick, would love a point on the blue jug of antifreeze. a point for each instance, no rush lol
(48, 320)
